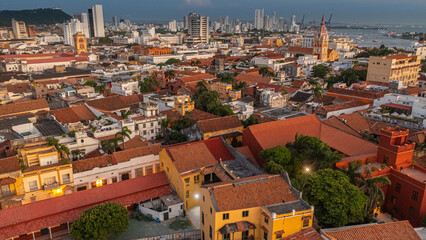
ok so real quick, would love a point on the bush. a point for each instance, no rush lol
(374, 169)
(383, 166)
(71, 134)
(63, 135)
(65, 161)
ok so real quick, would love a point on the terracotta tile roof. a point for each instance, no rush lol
(115, 102)
(196, 155)
(246, 151)
(73, 114)
(135, 142)
(356, 93)
(413, 90)
(336, 122)
(196, 115)
(18, 88)
(277, 88)
(219, 124)
(126, 155)
(401, 230)
(298, 83)
(399, 106)
(197, 78)
(305, 234)
(303, 50)
(94, 153)
(324, 100)
(272, 55)
(67, 208)
(252, 78)
(91, 163)
(281, 132)
(340, 106)
(261, 190)
(9, 164)
(25, 106)
(7, 181)
(397, 57)
(171, 114)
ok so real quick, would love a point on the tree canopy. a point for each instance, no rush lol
(172, 61)
(348, 76)
(101, 222)
(227, 78)
(148, 84)
(381, 51)
(320, 71)
(337, 202)
(277, 159)
(250, 121)
(209, 101)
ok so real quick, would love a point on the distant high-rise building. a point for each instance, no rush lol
(84, 21)
(185, 22)
(294, 27)
(114, 21)
(258, 18)
(96, 20)
(19, 29)
(198, 28)
(173, 26)
(31, 29)
(71, 27)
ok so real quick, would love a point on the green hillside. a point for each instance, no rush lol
(34, 16)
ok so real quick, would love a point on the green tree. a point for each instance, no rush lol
(172, 61)
(201, 86)
(337, 202)
(208, 101)
(148, 84)
(169, 74)
(124, 133)
(125, 113)
(174, 137)
(277, 156)
(423, 66)
(90, 83)
(223, 110)
(101, 222)
(100, 88)
(250, 121)
(376, 196)
(353, 173)
(184, 122)
(105, 40)
(164, 125)
(77, 154)
(320, 71)
(109, 146)
(318, 91)
(228, 78)
(265, 72)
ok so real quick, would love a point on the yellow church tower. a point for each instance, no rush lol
(80, 45)
(321, 42)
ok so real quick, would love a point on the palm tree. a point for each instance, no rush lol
(371, 187)
(169, 74)
(352, 172)
(318, 91)
(125, 113)
(265, 72)
(125, 133)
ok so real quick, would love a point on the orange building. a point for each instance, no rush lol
(151, 51)
(31, 29)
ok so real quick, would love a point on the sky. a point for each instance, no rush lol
(407, 12)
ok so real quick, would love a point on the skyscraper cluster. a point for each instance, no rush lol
(267, 23)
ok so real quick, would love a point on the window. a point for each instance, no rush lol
(144, 125)
(167, 169)
(266, 220)
(152, 131)
(265, 236)
(411, 211)
(5, 190)
(211, 211)
(415, 195)
(66, 178)
(114, 179)
(138, 172)
(152, 124)
(144, 132)
(306, 223)
(204, 238)
(245, 213)
(393, 199)
(204, 198)
(197, 179)
(226, 236)
(225, 216)
(33, 185)
(210, 232)
(148, 170)
(202, 218)
(187, 194)
(157, 167)
(279, 236)
(125, 176)
(187, 181)
(398, 187)
(49, 180)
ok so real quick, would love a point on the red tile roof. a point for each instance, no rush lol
(356, 93)
(340, 106)
(196, 155)
(115, 102)
(261, 190)
(9, 164)
(305, 234)
(196, 78)
(67, 208)
(219, 124)
(399, 106)
(401, 230)
(271, 134)
(73, 114)
(252, 78)
(91, 163)
(25, 106)
(303, 50)
(126, 155)
(397, 57)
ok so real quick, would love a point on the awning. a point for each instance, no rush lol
(240, 226)
(279, 232)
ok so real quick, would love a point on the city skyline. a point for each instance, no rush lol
(390, 12)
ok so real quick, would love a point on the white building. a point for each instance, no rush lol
(161, 58)
(148, 122)
(19, 29)
(96, 20)
(71, 27)
(163, 208)
(84, 21)
(258, 19)
(81, 142)
(172, 26)
(126, 88)
(417, 104)
(419, 49)
(308, 41)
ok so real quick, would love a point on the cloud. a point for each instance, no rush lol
(198, 3)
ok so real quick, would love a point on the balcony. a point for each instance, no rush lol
(51, 186)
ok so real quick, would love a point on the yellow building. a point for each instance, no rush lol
(402, 68)
(229, 126)
(11, 184)
(261, 207)
(184, 104)
(189, 166)
(45, 176)
(320, 45)
(80, 45)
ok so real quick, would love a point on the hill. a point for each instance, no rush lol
(34, 17)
